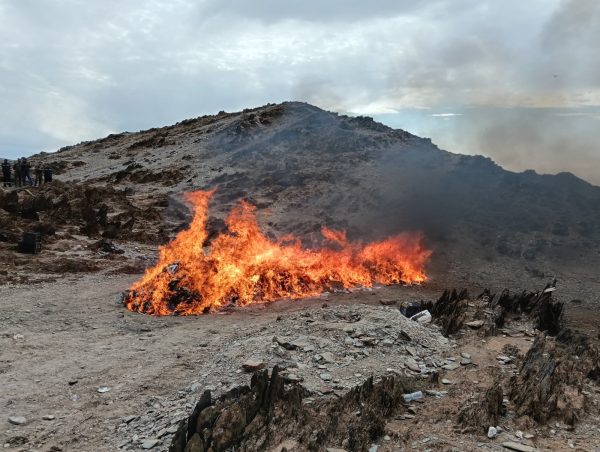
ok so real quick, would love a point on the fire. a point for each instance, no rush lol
(242, 266)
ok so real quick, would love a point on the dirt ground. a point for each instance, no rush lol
(62, 341)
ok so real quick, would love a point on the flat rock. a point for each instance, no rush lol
(465, 361)
(412, 365)
(150, 443)
(285, 343)
(301, 344)
(475, 324)
(387, 302)
(367, 340)
(48, 417)
(446, 381)
(411, 351)
(465, 355)
(451, 366)
(518, 447)
(293, 378)
(252, 365)
(17, 420)
(335, 449)
(325, 376)
(327, 357)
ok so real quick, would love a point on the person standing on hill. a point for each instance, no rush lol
(18, 174)
(39, 174)
(6, 169)
(26, 171)
(47, 174)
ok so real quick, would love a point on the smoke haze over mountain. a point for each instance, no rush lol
(516, 81)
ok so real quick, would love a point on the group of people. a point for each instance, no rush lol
(19, 173)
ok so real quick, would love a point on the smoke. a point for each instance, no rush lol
(548, 140)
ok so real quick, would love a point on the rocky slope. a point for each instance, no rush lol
(304, 168)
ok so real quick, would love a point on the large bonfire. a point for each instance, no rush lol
(242, 266)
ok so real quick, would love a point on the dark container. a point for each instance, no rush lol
(31, 243)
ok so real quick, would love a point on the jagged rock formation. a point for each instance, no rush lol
(551, 379)
(267, 414)
(455, 309)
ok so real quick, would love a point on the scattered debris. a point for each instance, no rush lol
(413, 396)
(422, 317)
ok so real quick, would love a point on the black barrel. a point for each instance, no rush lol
(31, 243)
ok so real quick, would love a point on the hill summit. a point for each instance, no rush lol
(304, 168)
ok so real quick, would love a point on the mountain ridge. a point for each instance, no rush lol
(305, 168)
(363, 118)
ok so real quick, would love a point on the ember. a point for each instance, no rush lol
(243, 266)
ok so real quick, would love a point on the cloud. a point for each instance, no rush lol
(331, 11)
(72, 69)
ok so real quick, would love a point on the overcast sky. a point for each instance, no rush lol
(516, 80)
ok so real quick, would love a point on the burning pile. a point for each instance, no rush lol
(242, 266)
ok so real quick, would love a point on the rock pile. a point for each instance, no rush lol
(328, 350)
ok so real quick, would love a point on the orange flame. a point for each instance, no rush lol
(243, 266)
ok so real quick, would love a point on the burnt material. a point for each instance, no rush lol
(31, 243)
(478, 415)
(266, 413)
(450, 310)
(489, 312)
(551, 379)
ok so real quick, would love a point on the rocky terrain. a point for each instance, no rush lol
(79, 372)
(305, 168)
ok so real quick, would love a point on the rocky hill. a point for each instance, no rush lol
(305, 168)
